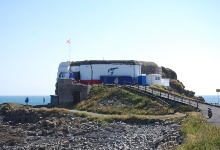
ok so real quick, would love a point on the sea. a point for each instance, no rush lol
(39, 100)
(211, 98)
(33, 100)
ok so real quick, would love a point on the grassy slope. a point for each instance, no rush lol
(164, 89)
(199, 134)
(112, 100)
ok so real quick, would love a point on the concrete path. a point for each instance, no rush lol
(215, 120)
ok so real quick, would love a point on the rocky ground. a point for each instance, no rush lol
(29, 129)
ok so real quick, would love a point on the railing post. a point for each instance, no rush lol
(197, 104)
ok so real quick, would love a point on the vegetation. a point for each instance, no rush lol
(129, 118)
(199, 134)
(160, 87)
(168, 90)
(53, 111)
(165, 89)
(125, 106)
(112, 100)
(14, 106)
(184, 108)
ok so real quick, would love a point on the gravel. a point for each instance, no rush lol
(72, 132)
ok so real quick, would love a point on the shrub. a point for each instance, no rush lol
(84, 115)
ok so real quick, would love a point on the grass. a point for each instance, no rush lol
(164, 89)
(142, 119)
(84, 115)
(199, 135)
(112, 100)
(53, 111)
(184, 108)
(15, 106)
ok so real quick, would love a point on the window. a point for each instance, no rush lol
(157, 78)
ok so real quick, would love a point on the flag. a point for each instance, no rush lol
(67, 41)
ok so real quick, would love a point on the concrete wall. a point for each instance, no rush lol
(54, 100)
(67, 91)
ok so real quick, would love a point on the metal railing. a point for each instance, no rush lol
(163, 94)
(142, 92)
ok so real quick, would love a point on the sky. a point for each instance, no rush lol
(181, 35)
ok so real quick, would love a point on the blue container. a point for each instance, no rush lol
(111, 79)
(142, 80)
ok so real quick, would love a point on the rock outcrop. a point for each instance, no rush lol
(150, 68)
(168, 73)
(177, 85)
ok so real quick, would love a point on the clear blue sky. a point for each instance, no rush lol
(180, 35)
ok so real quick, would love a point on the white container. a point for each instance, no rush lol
(153, 79)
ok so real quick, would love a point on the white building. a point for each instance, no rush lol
(90, 72)
(105, 71)
(157, 79)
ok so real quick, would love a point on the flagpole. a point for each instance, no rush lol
(69, 42)
(70, 51)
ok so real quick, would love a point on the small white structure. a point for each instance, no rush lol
(157, 79)
(165, 82)
(153, 79)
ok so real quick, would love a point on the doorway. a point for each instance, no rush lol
(76, 97)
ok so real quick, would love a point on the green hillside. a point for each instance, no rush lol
(112, 100)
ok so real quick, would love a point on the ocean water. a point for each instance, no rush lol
(33, 100)
(211, 98)
(38, 100)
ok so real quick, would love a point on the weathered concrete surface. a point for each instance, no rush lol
(67, 91)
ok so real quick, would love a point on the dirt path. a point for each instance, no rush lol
(215, 120)
(162, 117)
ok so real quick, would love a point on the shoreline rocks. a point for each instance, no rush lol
(71, 132)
